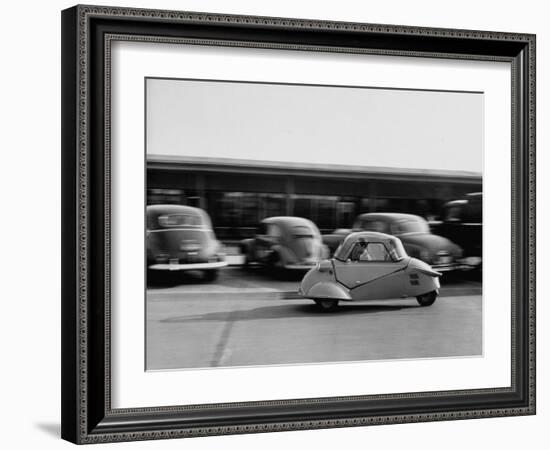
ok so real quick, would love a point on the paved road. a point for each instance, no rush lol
(194, 325)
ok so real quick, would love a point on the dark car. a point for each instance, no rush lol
(461, 221)
(181, 238)
(414, 232)
(291, 243)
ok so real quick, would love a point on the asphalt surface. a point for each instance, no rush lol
(247, 318)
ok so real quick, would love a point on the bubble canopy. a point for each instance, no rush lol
(393, 245)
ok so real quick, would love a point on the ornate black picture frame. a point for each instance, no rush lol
(87, 414)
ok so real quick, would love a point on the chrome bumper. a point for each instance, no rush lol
(448, 267)
(462, 264)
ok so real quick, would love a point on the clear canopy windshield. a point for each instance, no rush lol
(393, 246)
(397, 252)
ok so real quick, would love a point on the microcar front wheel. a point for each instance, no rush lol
(427, 299)
(327, 305)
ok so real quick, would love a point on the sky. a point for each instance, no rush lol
(319, 124)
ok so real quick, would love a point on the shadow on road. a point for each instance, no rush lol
(167, 279)
(286, 311)
(269, 274)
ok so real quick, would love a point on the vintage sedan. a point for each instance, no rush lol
(370, 266)
(461, 221)
(181, 238)
(285, 243)
(414, 232)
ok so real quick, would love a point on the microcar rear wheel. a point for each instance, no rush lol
(327, 305)
(427, 299)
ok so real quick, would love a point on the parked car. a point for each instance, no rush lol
(370, 266)
(181, 238)
(290, 243)
(461, 221)
(414, 232)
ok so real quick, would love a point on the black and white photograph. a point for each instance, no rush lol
(291, 223)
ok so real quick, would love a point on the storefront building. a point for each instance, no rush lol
(238, 194)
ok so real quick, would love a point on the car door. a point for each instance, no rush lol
(371, 273)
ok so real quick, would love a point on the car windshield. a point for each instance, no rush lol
(179, 220)
(409, 226)
(379, 226)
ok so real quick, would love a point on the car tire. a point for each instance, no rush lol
(327, 305)
(275, 267)
(210, 275)
(427, 299)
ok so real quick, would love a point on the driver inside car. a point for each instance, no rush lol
(360, 252)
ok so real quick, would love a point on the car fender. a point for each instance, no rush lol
(422, 278)
(328, 289)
